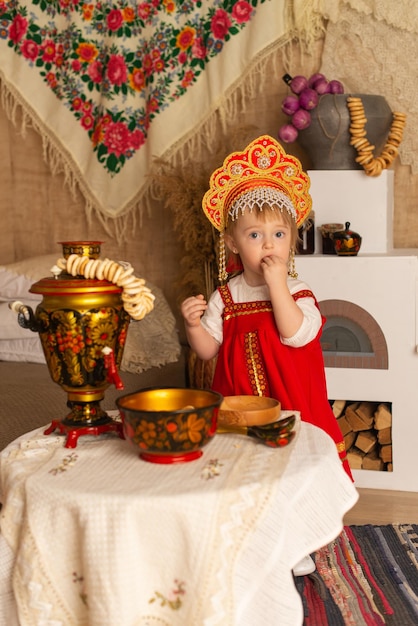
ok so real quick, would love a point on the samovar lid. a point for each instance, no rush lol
(64, 286)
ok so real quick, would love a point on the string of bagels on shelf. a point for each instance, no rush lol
(137, 298)
(373, 166)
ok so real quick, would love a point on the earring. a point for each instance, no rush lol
(292, 267)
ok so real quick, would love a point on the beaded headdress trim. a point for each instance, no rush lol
(260, 197)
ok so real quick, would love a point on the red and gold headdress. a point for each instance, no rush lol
(262, 173)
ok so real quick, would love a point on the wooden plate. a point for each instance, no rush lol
(248, 411)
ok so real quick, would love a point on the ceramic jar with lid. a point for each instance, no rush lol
(327, 232)
(346, 242)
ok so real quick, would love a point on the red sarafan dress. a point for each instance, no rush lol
(252, 360)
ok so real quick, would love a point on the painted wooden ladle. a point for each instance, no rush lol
(276, 435)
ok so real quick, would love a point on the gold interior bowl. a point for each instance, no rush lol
(169, 424)
(248, 411)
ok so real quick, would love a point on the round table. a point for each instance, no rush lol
(96, 536)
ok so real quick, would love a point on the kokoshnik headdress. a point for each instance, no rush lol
(262, 174)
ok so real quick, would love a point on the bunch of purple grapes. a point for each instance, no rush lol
(303, 99)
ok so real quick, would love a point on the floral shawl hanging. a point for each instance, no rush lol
(112, 85)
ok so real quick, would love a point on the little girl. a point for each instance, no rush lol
(264, 325)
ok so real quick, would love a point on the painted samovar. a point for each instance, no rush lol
(83, 322)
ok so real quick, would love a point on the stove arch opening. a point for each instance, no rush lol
(351, 337)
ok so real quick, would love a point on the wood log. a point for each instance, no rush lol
(353, 406)
(338, 407)
(366, 441)
(355, 420)
(383, 417)
(384, 436)
(355, 458)
(349, 439)
(344, 425)
(372, 461)
(366, 411)
(386, 453)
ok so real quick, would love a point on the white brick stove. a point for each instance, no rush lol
(383, 281)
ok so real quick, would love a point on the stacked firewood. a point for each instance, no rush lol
(367, 432)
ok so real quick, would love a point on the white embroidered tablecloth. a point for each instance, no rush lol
(98, 537)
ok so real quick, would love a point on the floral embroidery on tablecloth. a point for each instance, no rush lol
(79, 580)
(174, 599)
(117, 65)
(211, 469)
(67, 462)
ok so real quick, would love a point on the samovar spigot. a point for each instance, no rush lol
(112, 377)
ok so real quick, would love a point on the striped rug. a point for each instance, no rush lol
(367, 576)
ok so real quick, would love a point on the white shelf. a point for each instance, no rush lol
(351, 196)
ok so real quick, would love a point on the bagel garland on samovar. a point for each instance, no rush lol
(138, 300)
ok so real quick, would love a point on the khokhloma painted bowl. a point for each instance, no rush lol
(169, 424)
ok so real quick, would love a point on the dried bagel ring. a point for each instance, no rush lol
(131, 298)
(70, 262)
(93, 268)
(392, 150)
(137, 313)
(364, 159)
(126, 274)
(104, 269)
(369, 148)
(118, 272)
(111, 271)
(75, 267)
(355, 125)
(99, 270)
(128, 280)
(87, 267)
(78, 268)
(359, 143)
(133, 289)
(81, 265)
(382, 161)
(377, 170)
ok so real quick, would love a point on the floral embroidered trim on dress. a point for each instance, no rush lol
(304, 293)
(246, 309)
(234, 309)
(255, 367)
